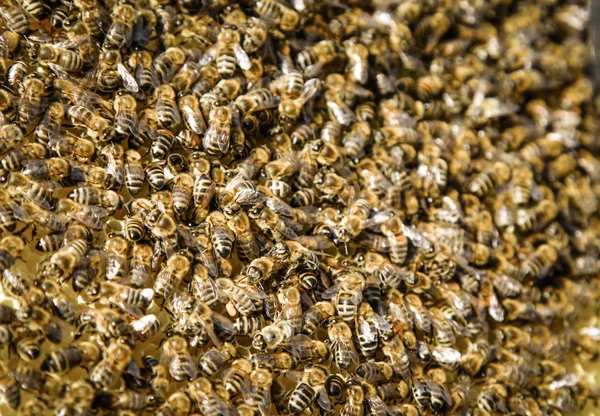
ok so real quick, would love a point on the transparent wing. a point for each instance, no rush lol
(242, 58)
(311, 87)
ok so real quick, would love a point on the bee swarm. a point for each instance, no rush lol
(324, 207)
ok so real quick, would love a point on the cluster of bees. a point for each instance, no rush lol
(317, 207)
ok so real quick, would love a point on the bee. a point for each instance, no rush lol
(64, 307)
(14, 159)
(290, 108)
(177, 267)
(305, 349)
(96, 125)
(111, 73)
(9, 389)
(134, 172)
(178, 403)
(111, 367)
(270, 222)
(207, 399)
(222, 237)
(189, 107)
(280, 362)
(228, 52)
(215, 359)
(368, 325)
(33, 191)
(155, 174)
(168, 63)
(63, 262)
(538, 264)
(48, 128)
(87, 215)
(316, 315)
(162, 144)
(312, 59)
(271, 336)
(145, 327)
(181, 364)
(76, 148)
(246, 245)
(167, 112)
(223, 118)
(248, 325)
(121, 30)
(311, 387)
(236, 375)
(272, 11)
(103, 198)
(340, 336)
(63, 360)
(241, 296)
(66, 59)
(10, 248)
(130, 300)
(347, 295)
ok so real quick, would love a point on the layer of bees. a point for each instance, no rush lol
(318, 207)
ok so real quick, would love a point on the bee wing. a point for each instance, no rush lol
(381, 323)
(90, 216)
(445, 355)
(418, 239)
(141, 325)
(114, 167)
(242, 58)
(495, 308)
(323, 398)
(357, 296)
(311, 87)
(250, 197)
(209, 55)
(194, 120)
(127, 308)
(252, 292)
(342, 113)
(219, 136)
(366, 331)
(378, 218)
(280, 207)
(223, 323)
(58, 71)
(375, 402)
(315, 242)
(293, 375)
(331, 292)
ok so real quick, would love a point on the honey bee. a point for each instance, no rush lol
(155, 173)
(222, 237)
(63, 360)
(235, 376)
(228, 52)
(67, 60)
(304, 349)
(121, 30)
(538, 264)
(340, 336)
(96, 125)
(130, 300)
(181, 364)
(241, 296)
(246, 245)
(207, 399)
(375, 371)
(10, 248)
(9, 389)
(183, 185)
(222, 121)
(271, 11)
(87, 215)
(368, 325)
(103, 198)
(145, 327)
(33, 191)
(48, 128)
(177, 267)
(313, 59)
(189, 107)
(141, 63)
(311, 387)
(111, 73)
(168, 63)
(111, 367)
